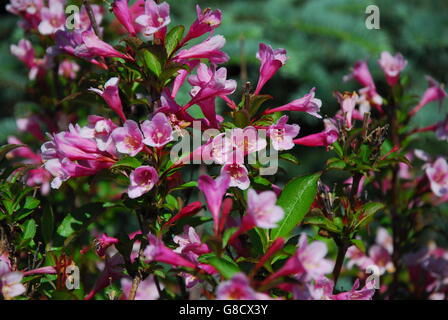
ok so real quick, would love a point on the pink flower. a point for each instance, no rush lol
(381, 258)
(271, 60)
(237, 288)
(182, 76)
(158, 132)
(54, 167)
(187, 211)
(308, 103)
(111, 95)
(11, 286)
(262, 209)
(214, 191)
(128, 139)
(143, 180)
(112, 270)
(121, 11)
(68, 69)
(238, 175)
(362, 74)
(308, 261)
(311, 257)
(103, 242)
(73, 146)
(147, 289)
(435, 92)
(31, 125)
(25, 7)
(324, 138)
(207, 21)
(282, 134)
(53, 17)
(348, 102)
(157, 251)
(244, 142)
(101, 131)
(155, 18)
(437, 173)
(190, 245)
(392, 66)
(358, 258)
(24, 51)
(363, 294)
(208, 49)
(208, 84)
(5, 264)
(368, 97)
(96, 47)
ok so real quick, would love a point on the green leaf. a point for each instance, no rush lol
(47, 224)
(289, 157)
(171, 202)
(191, 184)
(322, 222)
(262, 181)
(335, 164)
(367, 213)
(29, 229)
(129, 162)
(226, 267)
(227, 234)
(256, 101)
(31, 203)
(295, 199)
(359, 244)
(173, 38)
(152, 59)
(67, 226)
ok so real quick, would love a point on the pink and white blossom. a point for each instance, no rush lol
(392, 66)
(270, 61)
(214, 191)
(53, 17)
(121, 10)
(111, 96)
(156, 17)
(128, 139)
(208, 49)
(282, 134)
(207, 21)
(237, 288)
(262, 209)
(239, 176)
(437, 173)
(157, 131)
(308, 103)
(142, 180)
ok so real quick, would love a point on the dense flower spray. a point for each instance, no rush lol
(177, 152)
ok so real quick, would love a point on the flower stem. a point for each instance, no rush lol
(92, 19)
(342, 250)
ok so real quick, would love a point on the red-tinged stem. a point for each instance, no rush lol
(342, 250)
(276, 246)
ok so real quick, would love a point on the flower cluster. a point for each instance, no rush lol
(230, 230)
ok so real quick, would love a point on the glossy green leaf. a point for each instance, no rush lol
(173, 38)
(295, 199)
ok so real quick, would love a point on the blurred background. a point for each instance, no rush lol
(324, 38)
